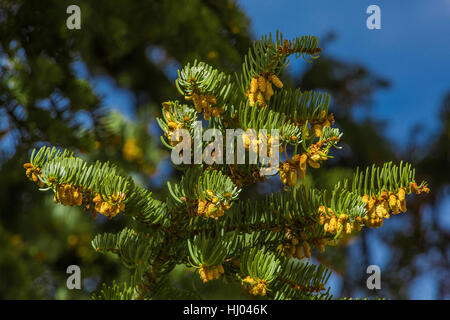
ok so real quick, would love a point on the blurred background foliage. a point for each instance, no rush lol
(51, 92)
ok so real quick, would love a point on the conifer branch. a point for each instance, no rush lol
(205, 222)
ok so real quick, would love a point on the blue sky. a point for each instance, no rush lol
(411, 49)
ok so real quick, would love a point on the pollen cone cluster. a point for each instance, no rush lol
(315, 154)
(205, 102)
(211, 272)
(297, 249)
(33, 174)
(292, 169)
(379, 207)
(252, 142)
(212, 207)
(414, 188)
(288, 173)
(172, 126)
(77, 195)
(334, 224)
(256, 287)
(68, 195)
(261, 90)
(295, 168)
(323, 121)
(109, 207)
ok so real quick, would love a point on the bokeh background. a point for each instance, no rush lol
(97, 90)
